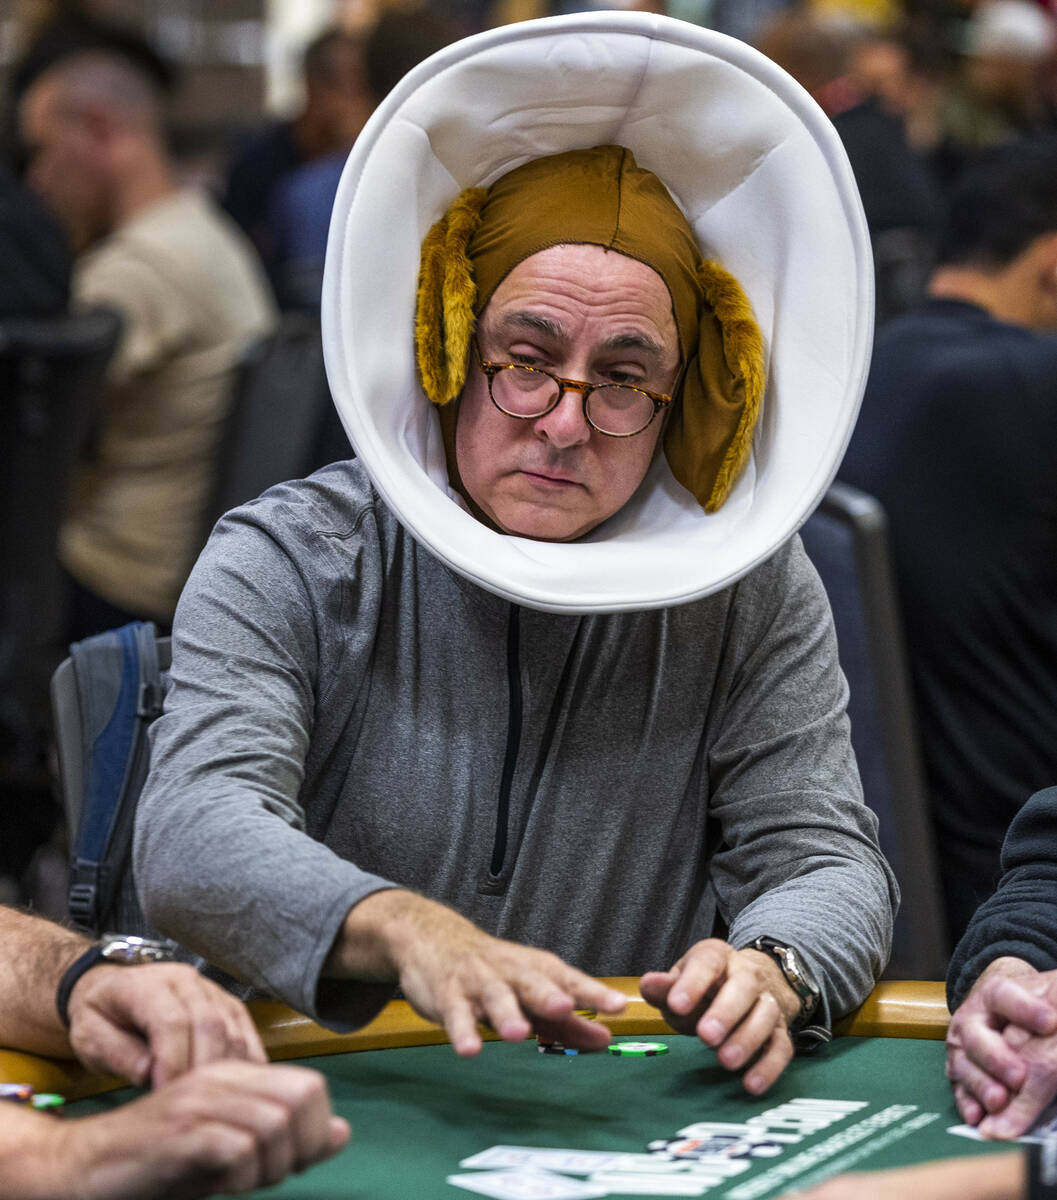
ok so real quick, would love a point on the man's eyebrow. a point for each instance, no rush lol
(635, 341)
(512, 322)
(515, 321)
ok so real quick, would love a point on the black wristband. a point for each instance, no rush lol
(1042, 1170)
(77, 968)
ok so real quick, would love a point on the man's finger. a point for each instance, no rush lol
(103, 1046)
(991, 1053)
(701, 970)
(751, 1034)
(734, 1001)
(170, 1041)
(460, 1024)
(576, 1032)
(270, 1121)
(313, 1127)
(246, 1035)
(502, 1010)
(1024, 1109)
(774, 1060)
(971, 1110)
(1012, 1000)
(989, 1092)
(592, 993)
(654, 987)
(208, 1036)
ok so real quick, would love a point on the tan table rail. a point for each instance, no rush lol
(894, 1009)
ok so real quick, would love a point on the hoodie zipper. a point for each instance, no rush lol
(513, 742)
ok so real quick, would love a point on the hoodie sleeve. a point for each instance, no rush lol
(222, 860)
(1020, 919)
(798, 858)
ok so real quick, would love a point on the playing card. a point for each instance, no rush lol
(545, 1158)
(526, 1185)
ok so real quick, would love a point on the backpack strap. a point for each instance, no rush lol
(120, 693)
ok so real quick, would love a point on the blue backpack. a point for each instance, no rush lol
(105, 697)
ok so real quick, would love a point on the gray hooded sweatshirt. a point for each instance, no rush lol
(347, 714)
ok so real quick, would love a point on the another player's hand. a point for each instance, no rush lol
(737, 1001)
(224, 1128)
(453, 973)
(152, 1023)
(977, 1177)
(1002, 1048)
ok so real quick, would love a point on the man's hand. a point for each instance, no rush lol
(978, 1177)
(224, 1128)
(152, 1023)
(737, 1001)
(453, 973)
(1002, 1048)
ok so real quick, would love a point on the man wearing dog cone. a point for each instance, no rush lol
(540, 686)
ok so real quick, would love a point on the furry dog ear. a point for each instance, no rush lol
(709, 437)
(444, 311)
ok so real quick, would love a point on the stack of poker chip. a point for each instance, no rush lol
(28, 1097)
(551, 1046)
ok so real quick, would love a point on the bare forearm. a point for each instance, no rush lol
(375, 931)
(994, 1177)
(36, 953)
(33, 1156)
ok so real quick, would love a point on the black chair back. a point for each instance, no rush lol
(847, 540)
(51, 374)
(282, 423)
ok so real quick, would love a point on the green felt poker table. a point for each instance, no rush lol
(875, 1097)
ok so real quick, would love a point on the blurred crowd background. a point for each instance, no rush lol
(251, 107)
(256, 90)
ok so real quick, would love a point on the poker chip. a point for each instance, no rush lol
(554, 1047)
(48, 1100)
(17, 1093)
(637, 1049)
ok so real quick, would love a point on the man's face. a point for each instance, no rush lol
(582, 313)
(66, 161)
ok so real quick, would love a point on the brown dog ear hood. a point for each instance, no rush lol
(599, 196)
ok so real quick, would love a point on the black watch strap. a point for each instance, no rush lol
(89, 959)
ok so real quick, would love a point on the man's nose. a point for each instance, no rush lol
(566, 423)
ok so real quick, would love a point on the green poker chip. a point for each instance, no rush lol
(637, 1049)
(48, 1100)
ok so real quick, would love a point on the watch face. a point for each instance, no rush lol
(134, 950)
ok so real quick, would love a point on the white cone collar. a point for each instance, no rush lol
(760, 173)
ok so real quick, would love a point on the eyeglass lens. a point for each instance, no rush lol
(612, 408)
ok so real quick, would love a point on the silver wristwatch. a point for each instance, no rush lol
(115, 949)
(133, 951)
(796, 975)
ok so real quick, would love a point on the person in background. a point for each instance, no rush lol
(1009, 46)
(37, 261)
(900, 194)
(298, 217)
(219, 1119)
(957, 437)
(190, 294)
(336, 104)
